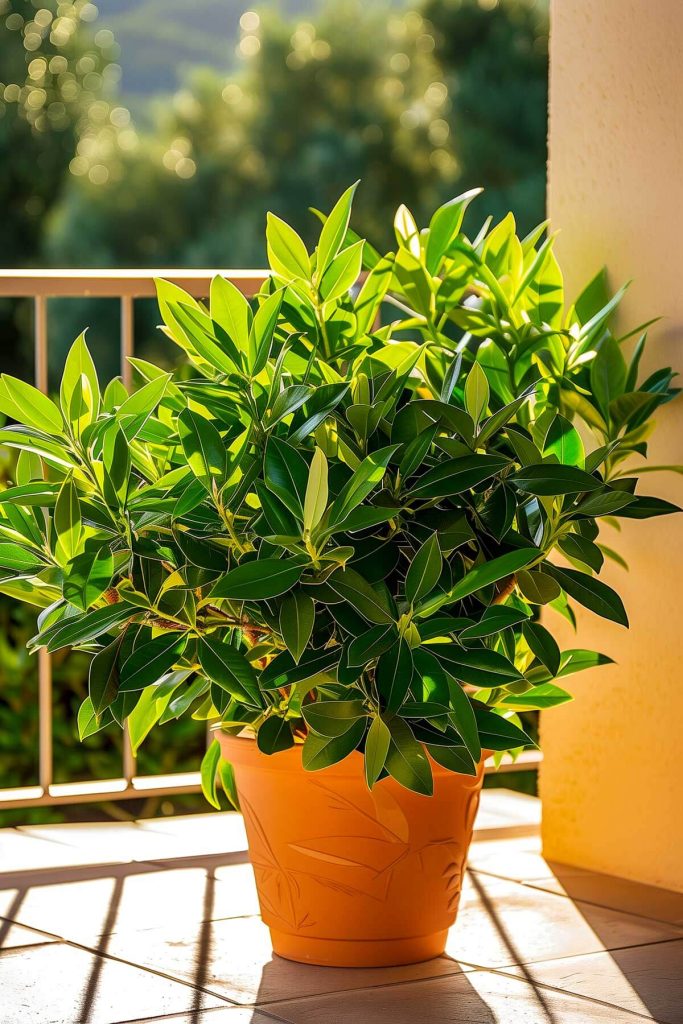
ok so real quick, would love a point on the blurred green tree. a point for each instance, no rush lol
(57, 102)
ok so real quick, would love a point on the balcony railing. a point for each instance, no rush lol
(126, 286)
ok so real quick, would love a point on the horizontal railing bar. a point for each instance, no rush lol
(135, 284)
(101, 789)
(163, 785)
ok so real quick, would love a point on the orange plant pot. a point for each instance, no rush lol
(347, 877)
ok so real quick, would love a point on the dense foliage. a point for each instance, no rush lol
(334, 530)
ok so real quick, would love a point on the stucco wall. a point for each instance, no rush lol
(612, 780)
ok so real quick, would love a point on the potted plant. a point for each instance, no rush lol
(333, 535)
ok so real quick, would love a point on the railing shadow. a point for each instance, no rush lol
(444, 996)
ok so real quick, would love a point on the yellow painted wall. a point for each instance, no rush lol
(612, 782)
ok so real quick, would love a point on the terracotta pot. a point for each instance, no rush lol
(348, 877)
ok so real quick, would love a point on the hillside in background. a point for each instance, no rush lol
(161, 39)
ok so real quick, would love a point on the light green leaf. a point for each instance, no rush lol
(364, 480)
(334, 231)
(287, 253)
(204, 448)
(67, 522)
(476, 393)
(342, 272)
(209, 767)
(26, 404)
(315, 501)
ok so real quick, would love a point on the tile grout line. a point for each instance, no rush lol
(501, 972)
(529, 884)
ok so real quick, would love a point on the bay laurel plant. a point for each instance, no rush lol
(338, 526)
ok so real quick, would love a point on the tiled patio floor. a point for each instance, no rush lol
(157, 920)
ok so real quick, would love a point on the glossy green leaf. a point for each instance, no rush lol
(477, 666)
(150, 661)
(87, 577)
(564, 442)
(297, 617)
(67, 522)
(287, 253)
(274, 735)
(23, 402)
(323, 751)
(457, 475)
(366, 477)
(203, 447)
(552, 479)
(352, 587)
(476, 393)
(103, 677)
(394, 674)
(228, 668)
(377, 744)
(592, 593)
(334, 230)
(498, 733)
(333, 717)
(208, 770)
(424, 570)
(543, 645)
(286, 475)
(406, 760)
(490, 572)
(259, 580)
(315, 499)
(538, 587)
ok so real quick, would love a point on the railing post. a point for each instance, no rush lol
(44, 660)
(126, 339)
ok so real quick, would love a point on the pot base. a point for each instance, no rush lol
(359, 952)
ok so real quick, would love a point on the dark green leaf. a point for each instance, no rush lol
(150, 661)
(394, 674)
(424, 570)
(406, 760)
(376, 749)
(259, 580)
(543, 645)
(591, 593)
(274, 734)
(322, 751)
(226, 666)
(457, 475)
(550, 479)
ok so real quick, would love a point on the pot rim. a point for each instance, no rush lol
(243, 750)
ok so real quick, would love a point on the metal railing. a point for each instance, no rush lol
(126, 286)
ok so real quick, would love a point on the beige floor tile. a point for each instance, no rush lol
(501, 923)
(199, 835)
(105, 842)
(608, 891)
(644, 979)
(13, 936)
(60, 984)
(122, 901)
(226, 1015)
(234, 959)
(479, 997)
(21, 852)
(516, 858)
